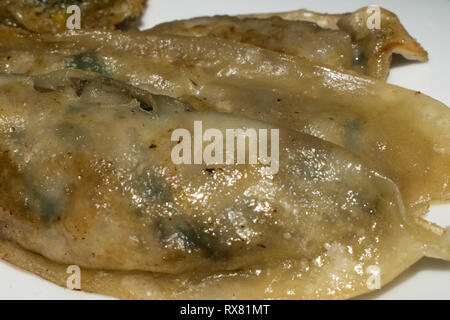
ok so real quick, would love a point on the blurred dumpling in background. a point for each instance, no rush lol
(51, 15)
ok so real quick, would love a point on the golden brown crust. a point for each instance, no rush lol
(376, 46)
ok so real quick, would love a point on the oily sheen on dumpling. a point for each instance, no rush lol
(91, 182)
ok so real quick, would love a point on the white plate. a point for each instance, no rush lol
(427, 21)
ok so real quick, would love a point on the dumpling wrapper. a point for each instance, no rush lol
(404, 133)
(342, 41)
(87, 179)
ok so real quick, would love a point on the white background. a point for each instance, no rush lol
(427, 21)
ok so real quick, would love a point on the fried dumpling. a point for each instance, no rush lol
(51, 15)
(298, 38)
(87, 178)
(341, 41)
(404, 133)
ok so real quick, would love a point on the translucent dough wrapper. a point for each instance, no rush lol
(401, 134)
(404, 133)
(343, 41)
(87, 179)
